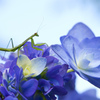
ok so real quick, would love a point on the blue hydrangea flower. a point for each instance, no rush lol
(81, 50)
(33, 75)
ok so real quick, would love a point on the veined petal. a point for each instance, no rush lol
(23, 61)
(89, 54)
(80, 31)
(60, 53)
(62, 38)
(70, 44)
(91, 43)
(38, 65)
(93, 72)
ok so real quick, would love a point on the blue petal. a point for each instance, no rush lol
(60, 53)
(4, 91)
(80, 31)
(56, 80)
(70, 45)
(29, 87)
(11, 71)
(91, 43)
(46, 52)
(58, 90)
(18, 75)
(10, 98)
(44, 84)
(53, 71)
(28, 50)
(0, 77)
(63, 70)
(93, 72)
(51, 61)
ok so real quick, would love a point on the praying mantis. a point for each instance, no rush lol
(13, 49)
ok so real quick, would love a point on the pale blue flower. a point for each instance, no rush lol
(81, 50)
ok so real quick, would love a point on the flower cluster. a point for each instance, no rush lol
(33, 75)
(45, 73)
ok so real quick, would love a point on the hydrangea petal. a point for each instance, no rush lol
(53, 71)
(91, 43)
(10, 98)
(93, 72)
(23, 61)
(29, 87)
(80, 31)
(38, 65)
(58, 90)
(4, 91)
(70, 45)
(57, 80)
(44, 84)
(60, 53)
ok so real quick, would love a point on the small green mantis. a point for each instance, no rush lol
(13, 49)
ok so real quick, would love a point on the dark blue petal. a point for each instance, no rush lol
(28, 50)
(80, 31)
(4, 91)
(5, 83)
(69, 80)
(0, 77)
(46, 52)
(51, 61)
(53, 71)
(44, 84)
(11, 71)
(18, 75)
(37, 97)
(10, 98)
(58, 90)
(56, 80)
(63, 70)
(29, 87)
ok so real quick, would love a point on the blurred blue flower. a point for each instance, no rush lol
(80, 49)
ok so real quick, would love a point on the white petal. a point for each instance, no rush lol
(23, 61)
(38, 65)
